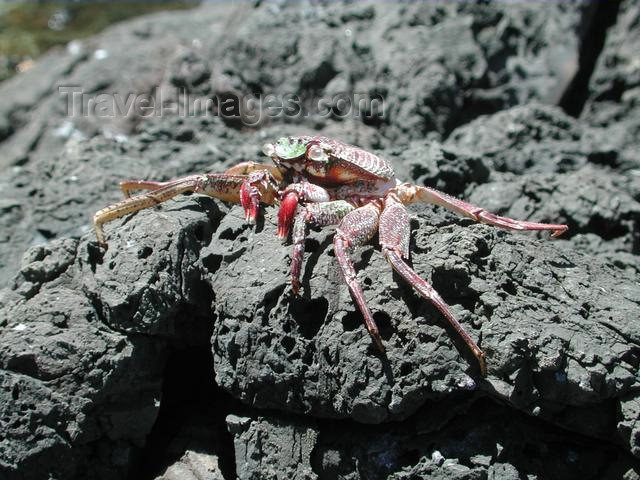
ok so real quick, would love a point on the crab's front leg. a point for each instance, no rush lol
(414, 193)
(395, 230)
(248, 190)
(357, 228)
(243, 168)
(320, 215)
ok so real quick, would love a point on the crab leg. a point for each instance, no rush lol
(248, 190)
(356, 228)
(413, 193)
(243, 168)
(319, 214)
(128, 185)
(139, 202)
(394, 240)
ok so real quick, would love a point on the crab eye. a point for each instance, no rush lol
(268, 149)
(316, 153)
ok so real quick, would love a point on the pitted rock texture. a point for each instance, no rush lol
(83, 347)
(193, 465)
(124, 363)
(614, 86)
(272, 449)
(559, 326)
(553, 323)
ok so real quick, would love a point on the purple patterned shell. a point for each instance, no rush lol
(362, 159)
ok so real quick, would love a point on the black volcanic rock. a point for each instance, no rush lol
(125, 363)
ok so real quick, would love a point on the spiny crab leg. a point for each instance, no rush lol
(318, 214)
(356, 228)
(248, 189)
(412, 193)
(395, 231)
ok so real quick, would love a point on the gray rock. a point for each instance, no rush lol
(498, 55)
(85, 335)
(193, 466)
(440, 442)
(83, 347)
(565, 360)
(535, 138)
(613, 88)
(272, 449)
(543, 313)
(567, 172)
(590, 200)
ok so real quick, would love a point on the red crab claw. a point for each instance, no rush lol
(291, 196)
(287, 210)
(250, 194)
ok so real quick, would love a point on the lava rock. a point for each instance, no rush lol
(84, 338)
(439, 443)
(271, 449)
(564, 359)
(86, 334)
(54, 175)
(544, 315)
(193, 466)
(613, 89)
(534, 138)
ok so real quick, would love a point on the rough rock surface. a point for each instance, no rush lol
(268, 448)
(614, 87)
(193, 466)
(180, 351)
(552, 321)
(440, 443)
(84, 341)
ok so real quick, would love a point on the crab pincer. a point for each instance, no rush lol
(293, 195)
(251, 193)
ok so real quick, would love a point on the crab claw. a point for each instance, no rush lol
(287, 210)
(250, 201)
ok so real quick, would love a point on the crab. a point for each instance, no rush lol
(319, 181)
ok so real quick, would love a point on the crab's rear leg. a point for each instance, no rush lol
(394, 239)
(413, 193)
(320, 215)
(356, 228)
